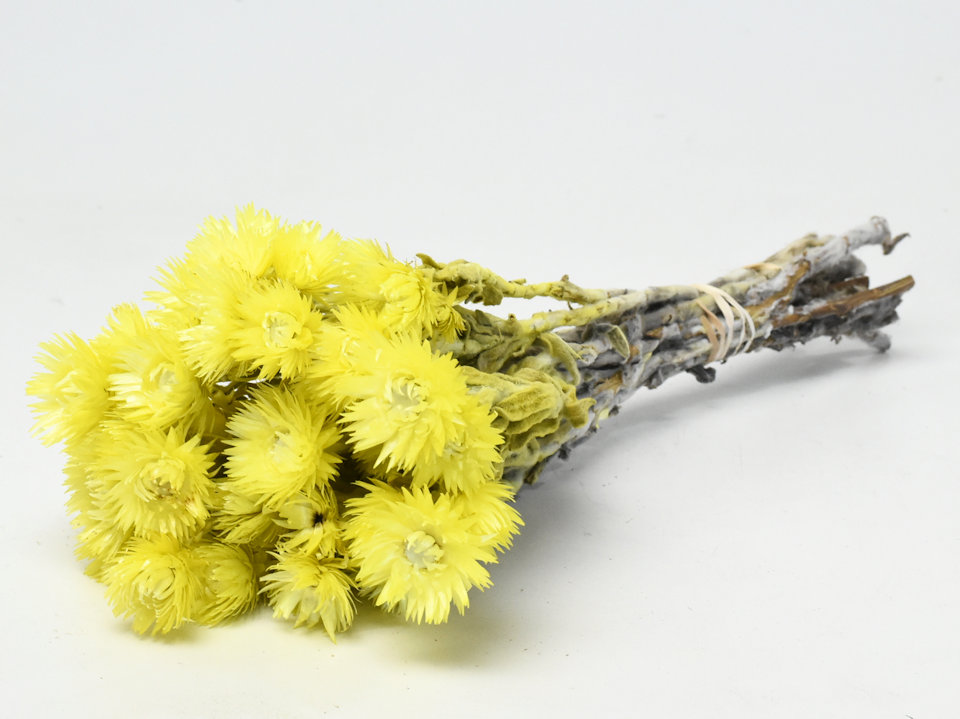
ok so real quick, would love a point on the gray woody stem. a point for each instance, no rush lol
(814, 287)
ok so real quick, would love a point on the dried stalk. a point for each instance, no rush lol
(617, 341)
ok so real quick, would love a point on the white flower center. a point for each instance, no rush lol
(280, 330)
(422, 550)
(162, 378)
(404, 395)
(286, 452)
(453, 451)
(403, 291)
(161, 478)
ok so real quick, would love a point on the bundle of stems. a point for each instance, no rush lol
(307, 421)
(610, 343)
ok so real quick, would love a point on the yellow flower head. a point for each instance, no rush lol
(307, 262)
(80, 484)
(469, 459)
(99, 537)
(153, 481)
(241, 520)
(246, 245)
(353, 334)
(229, 583)
(404, 295)
(310, 591)
(257, 246)
(243, 297)
(280, 445)
(191, 286)
(251, 326)
(156, 581)
(489, 508)
(209, 322)
(99, 541)
(445, 320)
(312, 521)
(414, 552)
(151, 383)
(72, 394)
(274, 329)
(404, 401)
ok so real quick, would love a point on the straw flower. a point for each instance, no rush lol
(415, 553)
(151, 383)
(153, 481)
(229, 583)
(280, 444)
(404, 401)
(309, 591)
(156, 581)
(72, 394)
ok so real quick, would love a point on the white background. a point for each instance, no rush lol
(783, 542)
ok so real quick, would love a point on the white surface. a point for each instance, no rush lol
(801, 561)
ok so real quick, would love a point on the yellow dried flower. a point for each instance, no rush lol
(245, 245)
(99, 541)
(155, 580)
(469, 459)
(251, 327)
(229, 583)
(151, 383)
(241, 520)
(220, 258)
(414, 552)
(489, 507)
(257, 247)
(312, 524)
(354, 333)
(274, 329)
(280, 444)
(404, 295)
(99, 537)
(303, 260)
(310, 591)
(404, 401)
(153, 481)
(209, 322)
(72, 394)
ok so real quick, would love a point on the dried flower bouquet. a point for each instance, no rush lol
(306, 420)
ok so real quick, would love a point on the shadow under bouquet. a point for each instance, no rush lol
(305, 420)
